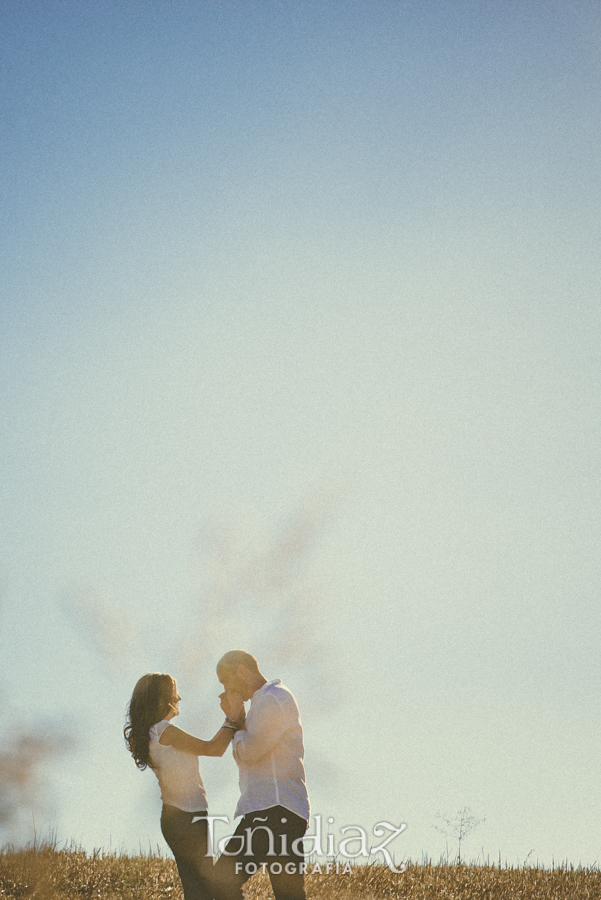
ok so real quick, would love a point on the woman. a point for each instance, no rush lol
(173, 754)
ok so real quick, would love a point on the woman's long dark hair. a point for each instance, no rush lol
(149, 704)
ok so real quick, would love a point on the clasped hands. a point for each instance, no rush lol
(232, 705)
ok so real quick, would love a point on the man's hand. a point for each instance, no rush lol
(232, 705)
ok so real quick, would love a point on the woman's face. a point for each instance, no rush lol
(174, 702)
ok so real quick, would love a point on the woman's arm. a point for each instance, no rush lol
(181, 740)
(233, 706)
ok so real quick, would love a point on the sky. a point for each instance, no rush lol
(300, 352)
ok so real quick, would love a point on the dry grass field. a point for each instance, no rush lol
(47, 873)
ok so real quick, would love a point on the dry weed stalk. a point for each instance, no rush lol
(24, 753)
(249, 595)
(459, 827)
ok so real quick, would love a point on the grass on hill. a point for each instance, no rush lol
(47, 873)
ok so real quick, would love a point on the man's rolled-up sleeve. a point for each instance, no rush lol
(264, 730)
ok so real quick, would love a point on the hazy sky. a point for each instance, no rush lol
(324, 278)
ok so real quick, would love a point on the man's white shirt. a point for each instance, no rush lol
(270, 753)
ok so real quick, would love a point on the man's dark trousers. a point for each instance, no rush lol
(263, 838)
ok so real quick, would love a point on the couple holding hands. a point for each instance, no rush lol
(268, 748)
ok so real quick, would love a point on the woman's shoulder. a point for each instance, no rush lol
(157, 730)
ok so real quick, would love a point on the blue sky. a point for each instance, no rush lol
(328, 270)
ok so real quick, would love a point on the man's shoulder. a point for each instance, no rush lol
(277, 691)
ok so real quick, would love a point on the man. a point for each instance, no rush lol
(273, 797)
